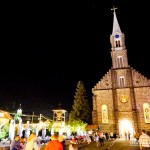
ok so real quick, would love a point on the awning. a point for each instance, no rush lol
(92, 127)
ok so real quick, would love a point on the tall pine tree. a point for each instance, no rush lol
(81, 109)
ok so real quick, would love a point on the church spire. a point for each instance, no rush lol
(116, 27)
(117, 39)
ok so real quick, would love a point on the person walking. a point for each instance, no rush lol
(16, 145)
(101, 138)
(32, 143)
(129, 134)
(97, 140)
(61, 139)
(136, 136)
(23, 142)
(144, 141)
(73, 144)
(54, 144)
(88, 138)
(125, 135)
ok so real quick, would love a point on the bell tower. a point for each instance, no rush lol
(59, 120)
(117, 39)
(122, 80)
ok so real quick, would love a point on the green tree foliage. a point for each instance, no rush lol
(4, 131)
(77, 124)
(81, 109)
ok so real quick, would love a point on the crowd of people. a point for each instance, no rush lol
(31, 143)
(57, 142)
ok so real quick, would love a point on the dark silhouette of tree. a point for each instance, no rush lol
(80, 108)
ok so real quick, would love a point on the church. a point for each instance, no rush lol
(121, 99)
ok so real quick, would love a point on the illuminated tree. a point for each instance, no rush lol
(4, 131)
(81, 109)
(76, 124)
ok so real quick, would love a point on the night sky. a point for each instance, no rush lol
(46, 48)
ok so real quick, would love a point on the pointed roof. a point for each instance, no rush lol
(116, 27)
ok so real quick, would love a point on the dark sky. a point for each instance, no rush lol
(46, 48)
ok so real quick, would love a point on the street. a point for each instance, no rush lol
(118, 144)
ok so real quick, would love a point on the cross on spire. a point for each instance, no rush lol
(114, 8)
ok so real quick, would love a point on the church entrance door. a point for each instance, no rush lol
(125, 127)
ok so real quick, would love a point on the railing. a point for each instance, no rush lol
(33, 116)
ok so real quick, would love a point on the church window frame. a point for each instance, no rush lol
(117, 43)
(119, 60)
(146, 112)
(121, 81)
(104, 110)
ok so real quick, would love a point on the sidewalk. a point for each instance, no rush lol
(118, 144)
(122, 144)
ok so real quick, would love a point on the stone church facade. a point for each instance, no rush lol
(121, 99)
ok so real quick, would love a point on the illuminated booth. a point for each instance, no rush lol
(4, 117)
(58, 120)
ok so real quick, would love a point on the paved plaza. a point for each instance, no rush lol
(118, 144)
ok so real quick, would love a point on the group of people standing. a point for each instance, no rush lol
(58, 143)
(55, 142)
(127, 135)
(32, 143)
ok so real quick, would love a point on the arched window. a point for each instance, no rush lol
(121, 81)
(104, 114)
(146, 112)
(120, 62)
(118, 43)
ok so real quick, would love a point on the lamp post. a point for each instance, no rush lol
(40, 118)
(32, 116)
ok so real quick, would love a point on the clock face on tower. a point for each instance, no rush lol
(116, 36)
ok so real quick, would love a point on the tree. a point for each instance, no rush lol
(4, 131)
(77, 124)
(81, 109)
